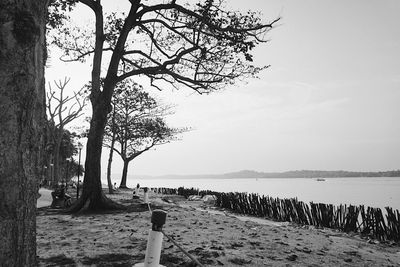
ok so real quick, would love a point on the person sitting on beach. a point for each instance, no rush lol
(59, 195)
(136, 191)
(59, 192)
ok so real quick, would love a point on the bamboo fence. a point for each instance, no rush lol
(367, 221)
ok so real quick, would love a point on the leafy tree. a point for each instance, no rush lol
(128, 99)
(58, 13)
(200, 46)
(22, 118)
(65, 152)
(136, 124)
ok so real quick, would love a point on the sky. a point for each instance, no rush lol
(329, 101)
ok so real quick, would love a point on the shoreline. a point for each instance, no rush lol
(372, 192)
(215, 238)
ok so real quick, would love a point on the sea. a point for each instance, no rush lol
(377, 192)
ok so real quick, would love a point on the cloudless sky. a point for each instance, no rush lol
(329, 101)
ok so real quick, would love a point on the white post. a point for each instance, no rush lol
(154, 243)
(146, 195)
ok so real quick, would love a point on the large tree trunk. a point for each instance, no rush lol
(22, 105)
(124, 174)
(93, 198)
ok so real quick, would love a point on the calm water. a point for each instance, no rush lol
(373, 192)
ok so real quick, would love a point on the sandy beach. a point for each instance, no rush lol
(213, 237)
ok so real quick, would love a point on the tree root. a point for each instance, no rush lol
(123, 187)
(86, 205)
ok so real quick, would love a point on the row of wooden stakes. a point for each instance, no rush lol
(371, 222)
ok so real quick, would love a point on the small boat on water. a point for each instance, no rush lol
(320, 179)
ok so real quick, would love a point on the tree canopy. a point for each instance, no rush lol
(201, 46)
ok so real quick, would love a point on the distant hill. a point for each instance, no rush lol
(288, 174)
(311, 174)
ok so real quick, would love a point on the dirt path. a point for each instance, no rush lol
(45, 198)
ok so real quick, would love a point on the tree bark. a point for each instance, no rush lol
(124, 174)
(22, 116)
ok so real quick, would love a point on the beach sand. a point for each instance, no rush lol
(215, 238)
